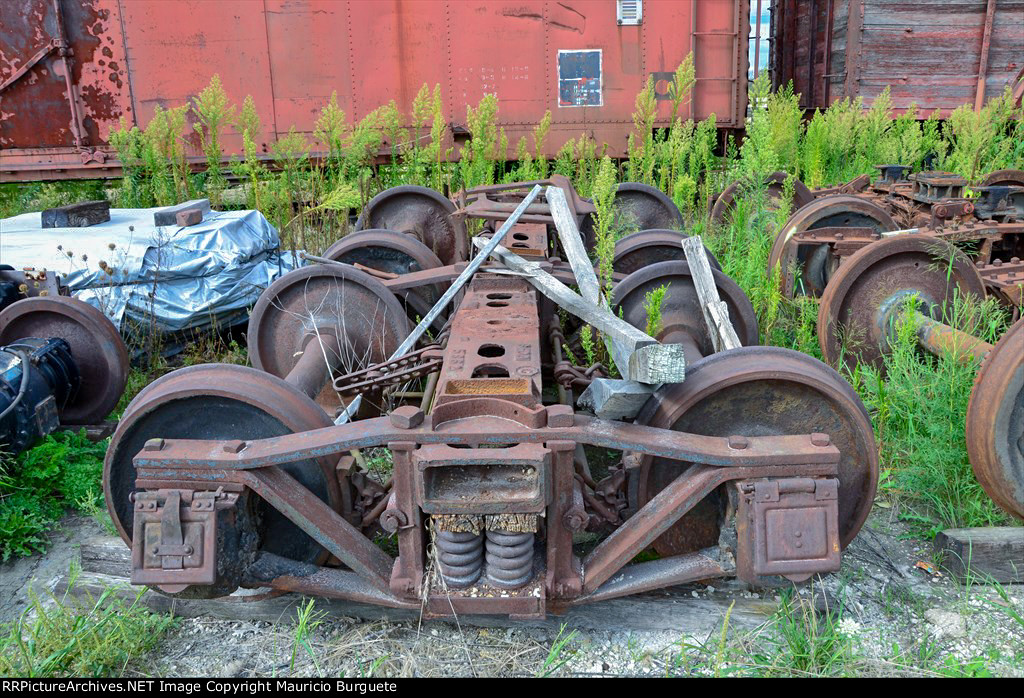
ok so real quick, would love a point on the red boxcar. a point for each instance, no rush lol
(69, 69)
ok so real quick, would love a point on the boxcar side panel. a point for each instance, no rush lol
(174, 48)
(927, 51)
(310, 53)
(35, 93)
(569, 57)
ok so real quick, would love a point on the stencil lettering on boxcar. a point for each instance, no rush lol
(579, 78)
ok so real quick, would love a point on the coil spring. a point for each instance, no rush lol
(509, 558)
(460, 557)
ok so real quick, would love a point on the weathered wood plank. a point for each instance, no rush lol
(80, 215)
(657, 363)
(608, 398)
(716, 313)
(611, 398)
(583, 269)
(106, 555)
(982, 555)
(169, 214)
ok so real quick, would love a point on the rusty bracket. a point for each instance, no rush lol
(415, 364)
(174, 541)
(787, 527)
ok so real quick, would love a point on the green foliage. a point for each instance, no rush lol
(805, 643)
(652, 305)
(213, 111)
(984, 141)
(641, 143)
(64, 470)
(559, 654)
(605, 220)
(165, 155)
(479, 156)
(95, 638)
(919, 410)
(331, 131)
(774, 131)
(251, 168)
(135, 190)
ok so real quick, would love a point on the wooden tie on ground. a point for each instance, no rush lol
(983, 555)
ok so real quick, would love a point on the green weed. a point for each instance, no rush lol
(68, 637)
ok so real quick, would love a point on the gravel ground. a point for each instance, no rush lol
(896, 619)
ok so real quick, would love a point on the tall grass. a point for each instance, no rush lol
(919, 409)
(85, 637)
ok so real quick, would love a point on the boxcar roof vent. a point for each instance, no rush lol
(629, 11)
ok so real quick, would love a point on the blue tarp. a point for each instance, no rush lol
(134, 271)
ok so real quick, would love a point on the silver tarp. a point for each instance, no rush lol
(167, 277)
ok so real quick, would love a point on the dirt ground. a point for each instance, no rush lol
(898, 619)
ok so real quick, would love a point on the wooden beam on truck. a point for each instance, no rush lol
(649, 361)
(583, 268)
(608, 398)
(716, 313)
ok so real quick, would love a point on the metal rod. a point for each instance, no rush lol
(450, 294)
(939, 339)
(428, 391)
(757, 42)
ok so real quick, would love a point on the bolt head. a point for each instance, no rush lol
(738, 443)
(153, 445)
(561, 416)
(407, 417)
(234, 446)
(820, 440)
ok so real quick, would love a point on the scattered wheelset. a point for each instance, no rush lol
(61, 362)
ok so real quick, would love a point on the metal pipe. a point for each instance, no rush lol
(940, 339)
(757, 42)
(456, 286)
(64, 51)
(680, 334)
(826, 87)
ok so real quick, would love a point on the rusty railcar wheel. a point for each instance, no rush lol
(681, 316)
(222, 401)
(391, 252)
(421, 213)
(645, 247)
(775, 185)
(1004, 178)
(758, 391)
(96, 346)
(809, 270)
(367, 319)
(870, 288)
(638, 207)
(995, 423)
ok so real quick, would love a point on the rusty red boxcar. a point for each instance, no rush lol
(70, 69)
(936, 54)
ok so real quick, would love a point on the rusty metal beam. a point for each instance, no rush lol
(172, 457)
(321, 522)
